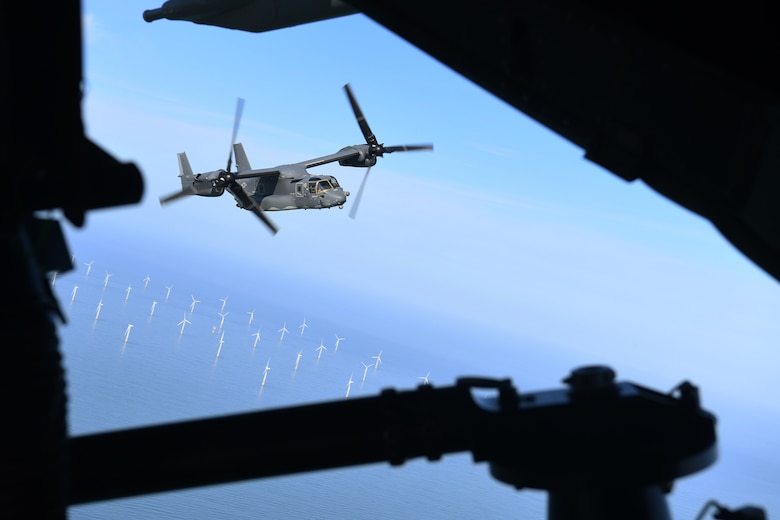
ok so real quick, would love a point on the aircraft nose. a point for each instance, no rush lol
(332, 198)
(339, 197)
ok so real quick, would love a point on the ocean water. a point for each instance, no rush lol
(129, 363)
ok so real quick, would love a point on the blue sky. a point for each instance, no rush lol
(503, 212)
(503, 226)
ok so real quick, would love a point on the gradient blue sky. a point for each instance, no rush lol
(503, 226)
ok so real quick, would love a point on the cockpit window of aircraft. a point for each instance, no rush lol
(324, 185)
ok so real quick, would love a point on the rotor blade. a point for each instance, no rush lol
(236, 121)
(407, 148)
(353, 211)
(246, 200)
(174, 196)
(370, 137)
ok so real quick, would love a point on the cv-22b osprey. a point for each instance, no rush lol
(289, 186)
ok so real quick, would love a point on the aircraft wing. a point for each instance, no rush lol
(345, 153)
(250, 15)
(263, 172)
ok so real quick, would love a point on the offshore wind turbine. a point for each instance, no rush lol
(53, 277)
(146, 281)
(183, 322)
(378, 358)
(320, 349)
(168, 293)
(303, 326)
(283, 330)
(105, 280)
(127, 292)
(192, 305)
(349, 385)
(127, 331)
(221, 342)
(338, 340)
(222, 321)
(265, 371)
(89, 268)
(224, 301)
(154, 304)
(99, 306)
(251, 317)
(257, 338)
(73, 294)
(365, 370)
(425, 378)
(298, 359)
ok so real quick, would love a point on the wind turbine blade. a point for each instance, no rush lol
(356, 203)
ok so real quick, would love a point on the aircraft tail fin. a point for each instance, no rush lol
(242, 162)
(185, 170)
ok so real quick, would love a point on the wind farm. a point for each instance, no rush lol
(192, 323)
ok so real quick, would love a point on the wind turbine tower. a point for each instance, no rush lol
(127, 331)
(265, 371)
(183, 322)
(283, 330)
(378, 358)
(303, 326)
(365, 370)
(221, 342)
(320, 349)
(222, 321)
(338, 340)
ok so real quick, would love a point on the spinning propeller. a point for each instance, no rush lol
(375, 148)
(227, 180)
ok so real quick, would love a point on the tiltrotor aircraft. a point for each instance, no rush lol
(289, 186)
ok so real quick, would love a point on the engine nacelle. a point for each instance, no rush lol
(362, 160)
(206, 189)
(207, 184)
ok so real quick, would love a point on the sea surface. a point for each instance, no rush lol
(129, 362)
(132, 360)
